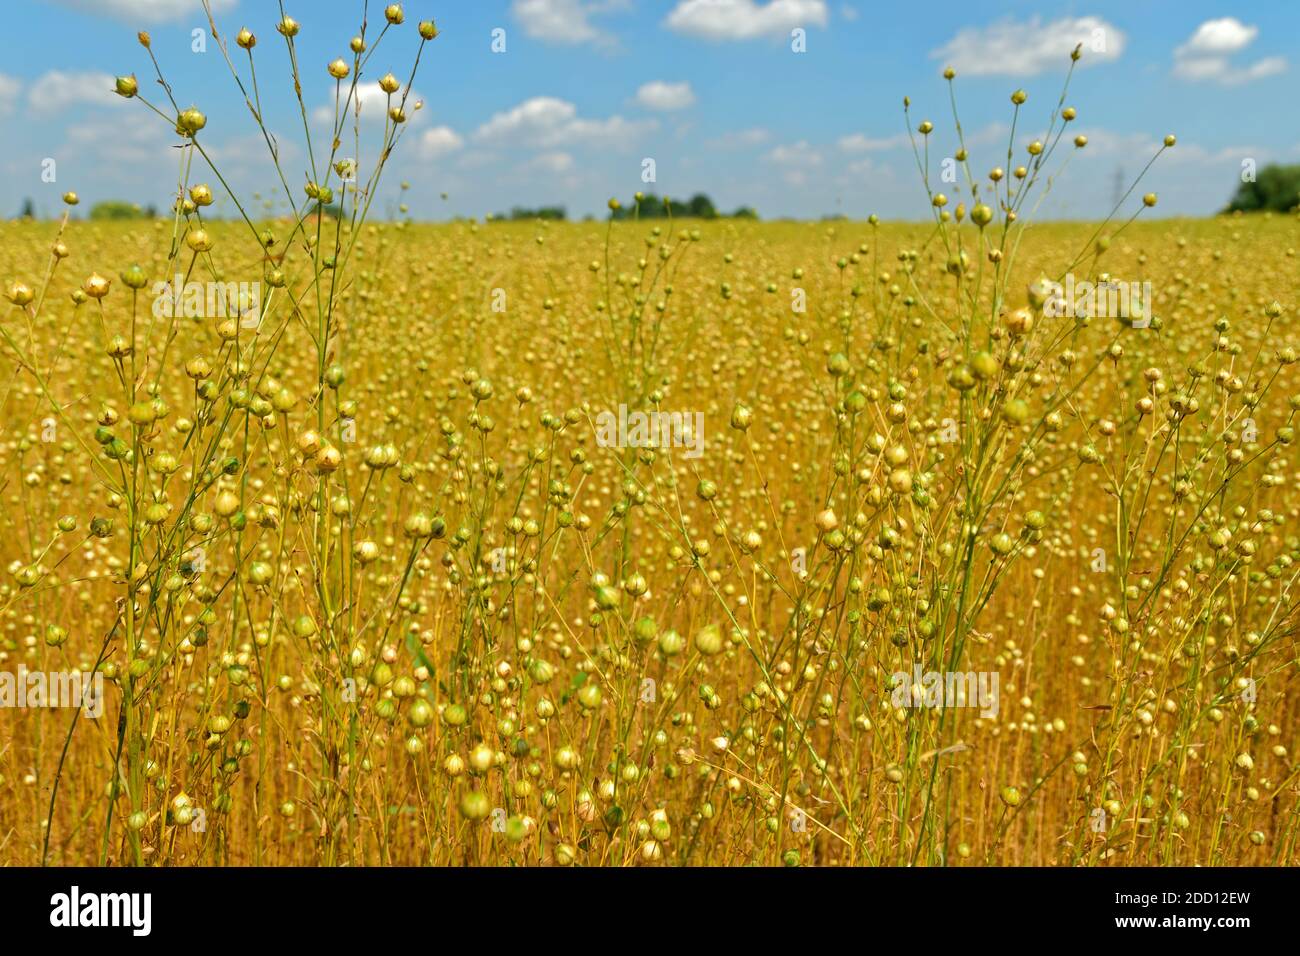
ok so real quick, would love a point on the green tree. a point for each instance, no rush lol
(524, 214)
(1275, 187)
(699, 206)
(115, 209)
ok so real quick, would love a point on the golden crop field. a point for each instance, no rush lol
(649, 542)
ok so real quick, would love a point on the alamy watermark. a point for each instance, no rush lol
(201, 300)
(937, 690)
(651, 430)
(73, 909)
(1107, 299)
(30, 689)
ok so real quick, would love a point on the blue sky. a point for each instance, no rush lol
(711, 90)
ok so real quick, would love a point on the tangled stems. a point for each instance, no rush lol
(485, 635)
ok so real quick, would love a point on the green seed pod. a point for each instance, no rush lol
(645, 630)
(190, 122)
(420, 714)
(709, 640)
(542, 672)
(962, 378)
(134, 278)
(984, 365)
(607, 598)
(589, 695)
(671, 643)
(475, 805)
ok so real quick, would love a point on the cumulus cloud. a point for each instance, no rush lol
(249, 149)
(866, 169)
(798, 154)
(439, 141)
(1123, 145)
(1225, 35)
(555, 163)
(546, 122)
(136, 145)
(9, 90)
(861, 143)
(658, 95)
(147, 11)
(1220, 70)
(59, 89)
(564, 21)
(797, 161)
(737, 139)
(373, 102)
(1011, 48)
(744, 19)
(1205, 55)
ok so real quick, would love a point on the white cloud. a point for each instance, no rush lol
(861, 143)
(992, 133)
(1269, 66)
(1122, 145)
(736, 139)
(865, 169)
(439, 141)
(658, 95)
(58, 90)
(849, 13)
(1225, 35)
(9, 90)
(476, 159)
(1010, 48)
(374, 103)
(249, 149)
(556, 163)
(1219, 70)
(139, 145)
(545, 122)
(799, 154)
(744, 19)
(1106, 142)
(564, 21)
(148, 11)
(1204, 57)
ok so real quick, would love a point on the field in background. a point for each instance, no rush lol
(426, 614)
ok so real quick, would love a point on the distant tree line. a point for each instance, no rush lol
(107, 211)
(522, 213)
(647, 206)
(1273, 187)
(699, 206)
(116, 209)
